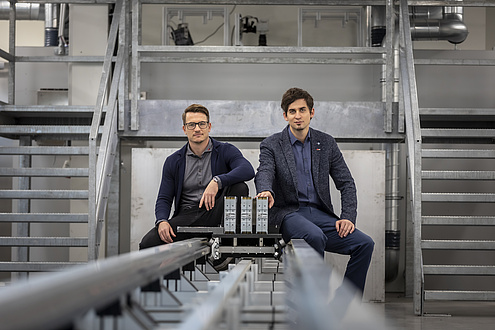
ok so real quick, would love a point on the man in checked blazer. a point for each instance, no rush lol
(295, 166)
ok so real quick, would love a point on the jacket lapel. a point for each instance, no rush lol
(316, 152)
(289, 156)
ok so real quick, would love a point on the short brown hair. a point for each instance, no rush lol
(294, 94)
(196, 108)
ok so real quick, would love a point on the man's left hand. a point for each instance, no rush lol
(208, 198)
(344, 227)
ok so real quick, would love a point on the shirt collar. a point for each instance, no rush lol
(208, 149)
(293, 139)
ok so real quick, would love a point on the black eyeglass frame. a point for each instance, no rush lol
(202, 125)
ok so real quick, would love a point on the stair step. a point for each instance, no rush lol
(44, 217)
(458, 220)
(44, 241)
(48, 110)
(36, 266)
(459, 295)
(458, 244)
(44, 150)
(44, 194)
(458, 175)
(458, 133)
(471, 112)
(44, 130)
(458, 197)
(458, 153)
(458, 270)
(44, 172)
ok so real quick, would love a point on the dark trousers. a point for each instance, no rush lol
(197, 217)
(317, 228)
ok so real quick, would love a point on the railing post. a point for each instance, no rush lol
(413, 135)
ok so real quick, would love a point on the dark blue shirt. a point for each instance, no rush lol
(302, 156)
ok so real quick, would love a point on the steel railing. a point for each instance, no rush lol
(413, 138)
(55, 300)
(103, 140)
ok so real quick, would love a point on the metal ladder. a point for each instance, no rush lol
(37, 139)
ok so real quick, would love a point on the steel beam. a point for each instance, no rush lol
(94, 285)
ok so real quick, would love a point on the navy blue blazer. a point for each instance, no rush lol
(227, 162)
(277, 174)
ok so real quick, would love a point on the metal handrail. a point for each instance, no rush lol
(101, 162)
(210, 311)
(413, 138)
(55, 300)
(316, 296)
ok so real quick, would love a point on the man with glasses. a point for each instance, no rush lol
(196, 178)
(295, 167)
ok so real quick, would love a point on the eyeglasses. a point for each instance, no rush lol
(201, 124)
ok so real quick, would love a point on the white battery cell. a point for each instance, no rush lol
(246, 215)
(229, 214)
(262, 215)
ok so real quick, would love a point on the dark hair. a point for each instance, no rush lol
(293, 94)
(196, 108)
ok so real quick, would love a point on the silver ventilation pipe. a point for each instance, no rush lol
(427, 23)
(24, 11)
(449, 27)
(392, 196)
(51, 24)
(62, 43)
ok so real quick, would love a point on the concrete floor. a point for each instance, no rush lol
(451, 315)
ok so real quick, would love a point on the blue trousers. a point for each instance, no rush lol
(317, 228)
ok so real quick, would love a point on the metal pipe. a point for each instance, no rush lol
(51, 24)
(210, 311)
(24, 11)
(94, 285)
(430, 25)
(392, 232)
(427, 23)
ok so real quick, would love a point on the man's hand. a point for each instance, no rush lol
(344, 227)
(208, 198)
(268, 194)
(166, 232)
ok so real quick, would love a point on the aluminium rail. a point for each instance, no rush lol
(318, 299)
(101, 162)
(57, 300)
(413, 138)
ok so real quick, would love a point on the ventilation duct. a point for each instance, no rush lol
(24, 11)
(427, 23)
(53, 14)
(51, 25)
(449, 27)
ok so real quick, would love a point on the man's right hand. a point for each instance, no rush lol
(166, 232)
(268, 194)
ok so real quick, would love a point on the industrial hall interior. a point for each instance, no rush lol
(94, 97)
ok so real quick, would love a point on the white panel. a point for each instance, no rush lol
(367, 167)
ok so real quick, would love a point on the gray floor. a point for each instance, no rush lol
(451, 315)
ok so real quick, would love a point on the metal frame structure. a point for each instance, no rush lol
(257, 55)
(104, 294)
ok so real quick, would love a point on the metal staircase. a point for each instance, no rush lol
(29, 196)
(86, 132)
(450, 206)
(469, 195)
